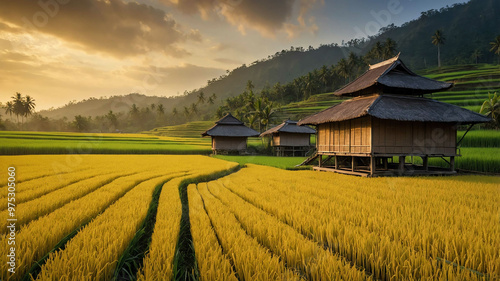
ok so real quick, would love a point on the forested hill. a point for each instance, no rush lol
(468, 28)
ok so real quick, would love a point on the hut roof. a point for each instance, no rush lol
(392, 77)
(392, 107)
(289, 126)
(230, 126)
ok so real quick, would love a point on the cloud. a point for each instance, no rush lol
(112, 26)
(264, 16)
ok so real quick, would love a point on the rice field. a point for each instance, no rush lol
(171, 217)
(20, 143)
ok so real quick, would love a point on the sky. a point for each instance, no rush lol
(67, 50)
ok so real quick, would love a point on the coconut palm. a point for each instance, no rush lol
(389, 49)
(344, 69)
(438, 40)
(495, 47)
(18, 105)
(491, 108)
(29, 105)
(476, 55)
(9, 108)
(201, 97)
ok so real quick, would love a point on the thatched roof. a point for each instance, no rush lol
(289, 126)
(230, 126)
(392, 77)
(392, 107)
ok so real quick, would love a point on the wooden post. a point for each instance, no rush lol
(401, 165)
(336, 162)
(353, 165)
(372, 165)
(385, 163)
(320, 160)
(452, 163)
(425, 160)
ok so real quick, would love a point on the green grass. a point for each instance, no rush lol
(19, 143)
(482, 159)
(480, 138)
(278, 162)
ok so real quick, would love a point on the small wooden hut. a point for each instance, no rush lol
(229, 135)
(389, 118)
(289, 139)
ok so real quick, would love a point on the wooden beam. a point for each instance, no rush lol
(425, 161)
(353, 165)
(452, 163)
(386, 160)
(401, 168)
(372, 165)
(336, 162)
(320, 160)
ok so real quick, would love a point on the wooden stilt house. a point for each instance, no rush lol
(229, 135)
(387, 119)
(288, 139)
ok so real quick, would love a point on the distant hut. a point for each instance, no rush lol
(290, 139)
(229, 135)
(389, 117)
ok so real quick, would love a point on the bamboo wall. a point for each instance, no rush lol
(351, 136)
(419, 138)
(289, 139)
(229, 143)
(366, 135)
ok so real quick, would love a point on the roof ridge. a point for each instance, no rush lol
(386, 62)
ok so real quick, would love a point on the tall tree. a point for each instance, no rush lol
(29, 105)
(389, 49)
(495, 47)
(476, 55)
(9, 108)
(18, 105)
(438, 40)
(343, 69)
(201, 97)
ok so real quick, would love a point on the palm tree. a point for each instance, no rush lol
(160, 110)
(194, 108)
(250, 86)
(29, 105)
(438, 40)
(491, 108)
(187, 113)
(495, 47)
(343, 69)
(18, 107)
(201, 97)
(389, 48)
(174, 111)
(476, 54)
(377, 52)
(9, 108)
(210, 100)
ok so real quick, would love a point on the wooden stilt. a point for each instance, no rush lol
(372, 165)
(425, 161)
(336, 162)
(452, 163)
(401, 165)
(353, 165)
(320, 160)
(386, 160)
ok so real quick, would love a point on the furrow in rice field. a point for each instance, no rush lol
(252, 260)
(37, 240)
(213, 263)
(94, 251)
